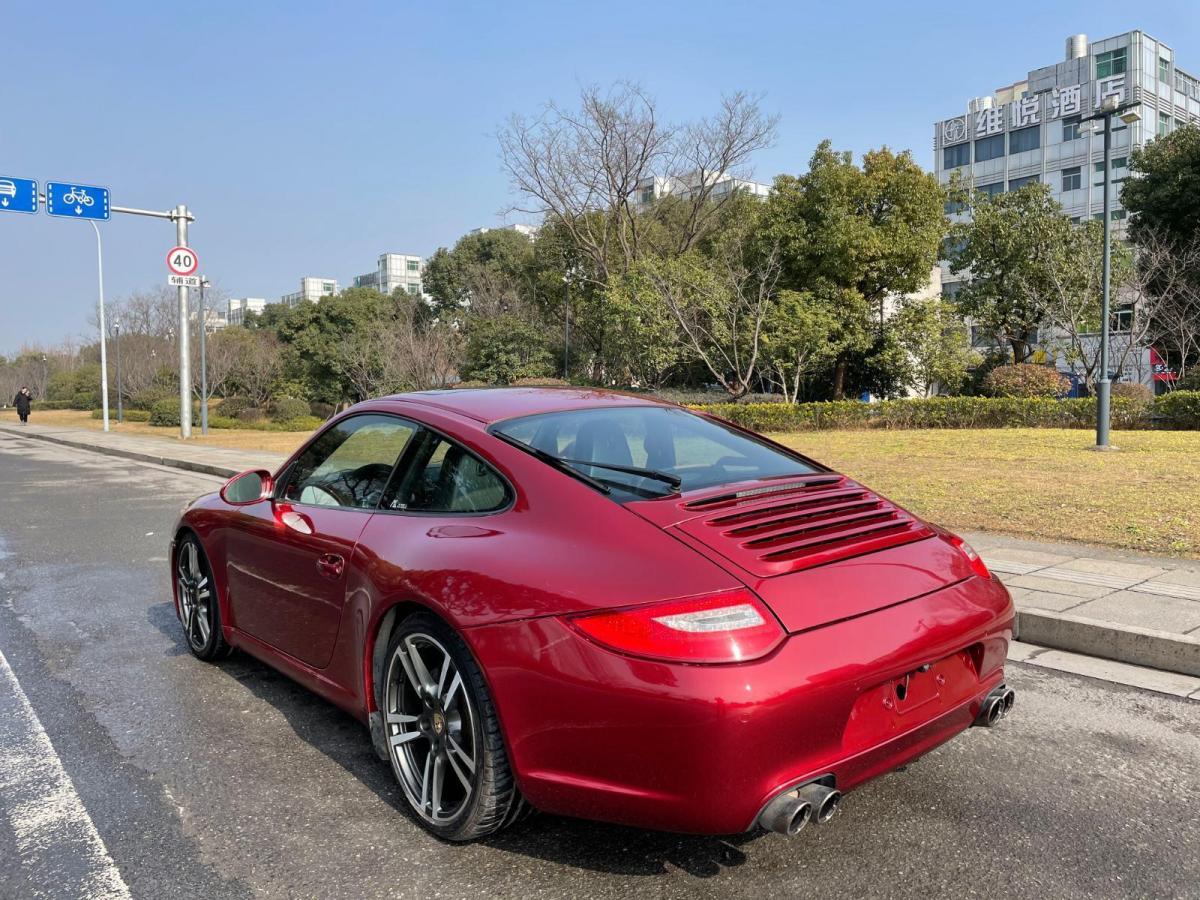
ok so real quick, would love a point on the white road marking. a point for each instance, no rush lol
(48, 819)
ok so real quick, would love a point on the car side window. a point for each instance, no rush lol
(442, 476)
(349, 464)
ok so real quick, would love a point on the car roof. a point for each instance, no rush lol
(490, 405)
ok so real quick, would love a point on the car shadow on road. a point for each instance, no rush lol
(581, 844)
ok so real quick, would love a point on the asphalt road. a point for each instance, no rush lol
(159, 776)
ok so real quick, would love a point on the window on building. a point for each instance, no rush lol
(1024, 139)
(1116, 215)
(1164, 70)
(958, 155)
(414, 289)
(1110, 63)
(414, 265)
(1164, 124)
(989, 148)
(328, 287)
(1015, 184)
(951, 207)
(990, 190)
(1070, 128)
(1118, 163)
(1122, 319)
(647, 195)
(1072, 179)
(950, 289)
(982, 337)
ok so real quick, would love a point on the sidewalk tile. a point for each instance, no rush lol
(1030, 557)
(1122, 673)
(1144, 611)
(1024, 598)
(1132, 571)
(1182, 577)
(1058, 586)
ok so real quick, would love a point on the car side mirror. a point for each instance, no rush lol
(248, 487)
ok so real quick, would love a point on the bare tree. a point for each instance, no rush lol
(258, 365)
(581, 170)
(722, 312)
(1166, 288)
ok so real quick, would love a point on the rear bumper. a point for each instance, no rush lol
(595, 734)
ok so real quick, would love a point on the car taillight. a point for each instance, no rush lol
(974, 558)
(722, 628)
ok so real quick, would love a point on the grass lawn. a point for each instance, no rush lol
(1039, 483)
(1031, 482)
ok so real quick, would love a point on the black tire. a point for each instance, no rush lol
(199, 611)
(447, 726)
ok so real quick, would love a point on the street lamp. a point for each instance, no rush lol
(203, 361)
(1109, 107)
(120, 409)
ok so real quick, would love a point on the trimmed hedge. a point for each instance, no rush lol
(1178, 409)
(287, 408)
(940, 412)
(166, 413)
(51, 404)
(131, 415)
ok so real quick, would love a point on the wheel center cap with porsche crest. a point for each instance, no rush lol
(439, 723)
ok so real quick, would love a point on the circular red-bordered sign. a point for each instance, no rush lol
(183, 261)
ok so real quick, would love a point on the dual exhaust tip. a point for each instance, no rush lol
(788, 813)
(996, 705)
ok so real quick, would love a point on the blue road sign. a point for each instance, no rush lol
(18, 194)
(76, 201)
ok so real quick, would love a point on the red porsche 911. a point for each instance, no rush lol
(597, 605)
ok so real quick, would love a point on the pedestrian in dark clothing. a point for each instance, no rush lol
(21, 402)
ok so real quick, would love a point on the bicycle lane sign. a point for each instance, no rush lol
(76, 201)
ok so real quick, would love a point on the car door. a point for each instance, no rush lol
(290, 560)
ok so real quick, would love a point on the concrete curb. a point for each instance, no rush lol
(1163, 650)
(1109, 640)
(173, 463)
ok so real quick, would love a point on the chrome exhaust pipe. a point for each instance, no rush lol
(825, 801)
(996, 705)
(787, 814)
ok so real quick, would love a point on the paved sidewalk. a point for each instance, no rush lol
(1136, 609)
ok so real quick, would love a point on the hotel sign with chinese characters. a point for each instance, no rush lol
(1059, 103)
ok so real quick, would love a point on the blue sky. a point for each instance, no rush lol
(309, 137)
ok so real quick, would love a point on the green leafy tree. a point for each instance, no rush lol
(798, 339)
(505, 348)
(932, 333)
(1013, 249)
(855, 235)
(1163, 197)
(482, 263)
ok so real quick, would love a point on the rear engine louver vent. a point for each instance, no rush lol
(823, 520)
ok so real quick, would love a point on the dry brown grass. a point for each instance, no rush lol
(232, 438)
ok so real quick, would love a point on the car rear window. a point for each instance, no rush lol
(697, 451)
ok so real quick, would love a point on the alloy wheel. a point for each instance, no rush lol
(431, 728)
(195, 596)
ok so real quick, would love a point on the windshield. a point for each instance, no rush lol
(696, 451)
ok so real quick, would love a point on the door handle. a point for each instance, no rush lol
(331, 565)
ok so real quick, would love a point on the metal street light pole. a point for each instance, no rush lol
(120, 410)
(103, 335)
(1110, 107)
(203, 360)
(181, 218)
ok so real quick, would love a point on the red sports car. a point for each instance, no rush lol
(597, 605)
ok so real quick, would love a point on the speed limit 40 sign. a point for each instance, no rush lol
(182, 261)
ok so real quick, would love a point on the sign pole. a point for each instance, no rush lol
(185, 368)
(103, 335)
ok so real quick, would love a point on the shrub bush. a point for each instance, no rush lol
(151, 395)
(1190, 381)
(287, 408)
(321, 410)
(1025, 380)
(51, 404)
(250, 414)
(1134, 390)
(1178, 409)
(166, 413)
(230, 407)
(933, 412)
